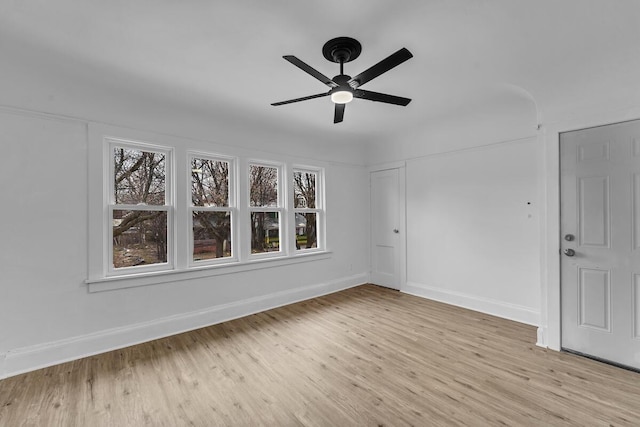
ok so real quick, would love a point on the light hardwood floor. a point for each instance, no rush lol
(367, 356)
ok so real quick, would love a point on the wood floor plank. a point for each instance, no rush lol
(366, 356)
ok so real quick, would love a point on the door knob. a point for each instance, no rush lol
(395, 230)
(569, 252)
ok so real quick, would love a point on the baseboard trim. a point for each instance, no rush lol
(484, 305)
(541, 339)
(26, 359)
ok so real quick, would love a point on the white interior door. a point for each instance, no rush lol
(600, 227)
(385, 228)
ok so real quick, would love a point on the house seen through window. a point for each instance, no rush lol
(160, 216)
(265, 208)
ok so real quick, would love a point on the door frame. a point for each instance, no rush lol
(402, 216)
(549, 330)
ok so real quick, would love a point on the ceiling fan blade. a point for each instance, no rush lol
(383, 66)
(339, 114)
(380, 97)
(310, 70)
(304, 98)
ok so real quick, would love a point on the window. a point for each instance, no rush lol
(212, 209)
(140, 204)
(307, 205)
(168, 210)
(265, 208)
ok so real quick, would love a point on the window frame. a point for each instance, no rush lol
(178, 186)
(319, 209)
(280, 208)
(169, 206)
(232, 208)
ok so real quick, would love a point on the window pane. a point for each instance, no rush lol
(304, 184)
(306, 227)
(209, 182)
(211, 235)
(265, 232)
(264, 186)
(139, 238)
(139, 177)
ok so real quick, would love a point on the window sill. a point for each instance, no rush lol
(158, 277)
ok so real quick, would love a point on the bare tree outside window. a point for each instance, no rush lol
(212, 223)
(263, 193)
(306, 212)
(139, 233)
(263, 186)
(305, 189)
(146, 218)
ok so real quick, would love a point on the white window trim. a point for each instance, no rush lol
(233, 209)
(99, 160)
(109, 143)
(319, 210)
(282, 199)
(159, 277)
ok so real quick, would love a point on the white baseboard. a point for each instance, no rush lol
(30, 358)
(542, 337)
(484, 305)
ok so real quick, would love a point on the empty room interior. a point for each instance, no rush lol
(320, 213)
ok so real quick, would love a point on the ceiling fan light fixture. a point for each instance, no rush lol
(343, 88)
(342, 97)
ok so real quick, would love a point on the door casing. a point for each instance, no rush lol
(597, 215)
(549, 330)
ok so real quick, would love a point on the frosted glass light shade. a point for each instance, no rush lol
(341, 97)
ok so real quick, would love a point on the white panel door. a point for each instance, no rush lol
(600, 227)
(385, 228)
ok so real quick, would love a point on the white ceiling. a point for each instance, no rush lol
(227, 55)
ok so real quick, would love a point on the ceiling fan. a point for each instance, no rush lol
(343, 87)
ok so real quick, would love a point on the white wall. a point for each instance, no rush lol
(46, 312)
(35, 79)
(473, 191)
(473, 229)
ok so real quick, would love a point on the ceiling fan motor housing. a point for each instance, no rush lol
(342, 81)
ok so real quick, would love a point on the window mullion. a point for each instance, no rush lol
(181, 197)
(161, 232)
(244, 216)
